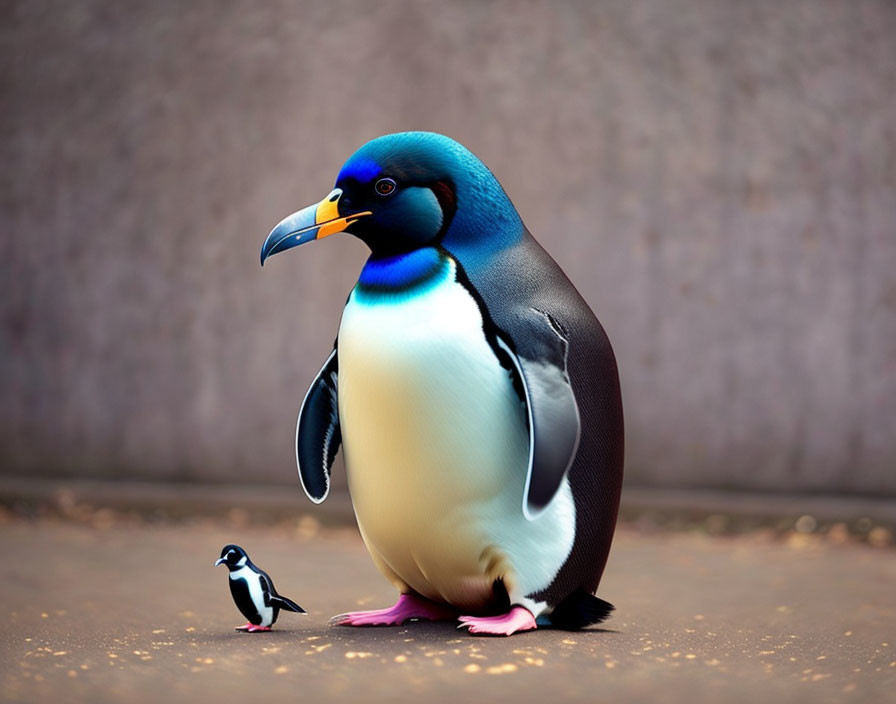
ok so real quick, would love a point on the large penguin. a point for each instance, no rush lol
(475, 394)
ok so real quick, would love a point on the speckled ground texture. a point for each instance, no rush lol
(118, 609)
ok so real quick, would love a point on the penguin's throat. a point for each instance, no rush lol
(408, 274)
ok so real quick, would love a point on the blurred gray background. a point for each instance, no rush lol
(718, 178)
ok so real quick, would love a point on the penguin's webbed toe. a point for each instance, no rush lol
(408, 606)
(516, 620)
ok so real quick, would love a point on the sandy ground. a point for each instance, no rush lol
(125, 611)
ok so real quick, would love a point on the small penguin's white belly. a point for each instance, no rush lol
(266, 612)
(436, 450)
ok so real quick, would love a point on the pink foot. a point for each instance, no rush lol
(251, 628)
(407, 607)
(517, 619)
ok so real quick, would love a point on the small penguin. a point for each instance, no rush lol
(253, 591)
(473, 391)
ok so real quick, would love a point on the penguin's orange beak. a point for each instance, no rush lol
(311, 223)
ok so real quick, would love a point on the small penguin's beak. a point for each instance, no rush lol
(311, 223)
(219, 561)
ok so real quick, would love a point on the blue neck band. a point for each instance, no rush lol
(402, 275)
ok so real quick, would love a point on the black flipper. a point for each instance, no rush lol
(317, 432)
(538, 352)
(267, 586)
(286, 604)
(579, 610)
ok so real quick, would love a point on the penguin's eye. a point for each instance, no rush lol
(385, 187)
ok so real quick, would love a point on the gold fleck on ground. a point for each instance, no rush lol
(307, 527)
(880, 537)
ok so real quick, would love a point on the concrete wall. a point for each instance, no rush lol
(718, 178)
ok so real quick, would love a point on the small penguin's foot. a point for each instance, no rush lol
(252, 628)
(514, 621)
(408, 606)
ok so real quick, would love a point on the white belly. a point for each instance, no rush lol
(436, 451)
(266, 612)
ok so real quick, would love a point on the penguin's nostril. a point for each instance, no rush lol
(334, 198)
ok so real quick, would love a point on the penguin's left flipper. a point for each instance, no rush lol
(318, 434)
(537, 347)
(287, 604)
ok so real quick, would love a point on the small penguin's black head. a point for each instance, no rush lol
(233, 556)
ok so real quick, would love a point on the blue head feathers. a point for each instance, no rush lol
(405, 191)
(474, 209)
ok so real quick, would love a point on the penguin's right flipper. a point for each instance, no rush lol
(318, 435)
(286, 604)
(538, 353)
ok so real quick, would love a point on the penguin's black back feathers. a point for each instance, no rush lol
(511, 284)
(272, 598)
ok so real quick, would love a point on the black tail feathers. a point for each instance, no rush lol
(579, 610)
(287, 604)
